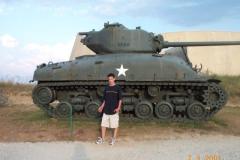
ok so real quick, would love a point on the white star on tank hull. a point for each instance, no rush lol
(121, 70)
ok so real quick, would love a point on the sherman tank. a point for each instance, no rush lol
(163, 86)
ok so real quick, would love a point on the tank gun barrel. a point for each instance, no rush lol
(160, 43)
(167, 44)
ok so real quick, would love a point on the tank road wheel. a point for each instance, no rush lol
(91, 109)
(196, 111)
(164, 110)
(144, 110)
(43, 95)
(63, 109)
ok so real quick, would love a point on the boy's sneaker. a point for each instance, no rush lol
(113, 140)
(99, 140)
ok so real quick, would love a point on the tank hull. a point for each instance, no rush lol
(165, 87)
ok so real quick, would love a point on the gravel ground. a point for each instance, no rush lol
(184, 148)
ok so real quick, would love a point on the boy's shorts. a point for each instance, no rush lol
(110, 121)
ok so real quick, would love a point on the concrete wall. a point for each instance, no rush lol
(222, 60)
(79, 49)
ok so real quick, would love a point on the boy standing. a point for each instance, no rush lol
(111, 105)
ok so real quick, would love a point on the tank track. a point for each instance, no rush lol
(166, 101)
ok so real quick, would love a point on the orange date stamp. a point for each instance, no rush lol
(204, 157)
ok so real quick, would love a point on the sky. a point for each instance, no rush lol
(35, 32)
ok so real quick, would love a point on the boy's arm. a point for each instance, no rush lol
(120, 101)
(100, 109)
(119, 106)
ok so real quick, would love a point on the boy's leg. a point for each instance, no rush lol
(115, 131)
(114, 123)
(103, 132)
(104, 125)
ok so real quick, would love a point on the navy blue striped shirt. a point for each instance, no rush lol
(111, 96)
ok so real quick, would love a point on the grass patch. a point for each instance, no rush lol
(30, 116)
(234, 111)
(219, 121)
(9, 87)
(190, 125)
(39, 116)
(83, 121)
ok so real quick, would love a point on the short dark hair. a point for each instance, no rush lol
(111, 75)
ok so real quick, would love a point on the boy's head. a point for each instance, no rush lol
(111, 78)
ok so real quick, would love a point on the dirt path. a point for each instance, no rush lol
(185, 148)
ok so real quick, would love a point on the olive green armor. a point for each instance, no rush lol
(162, 86)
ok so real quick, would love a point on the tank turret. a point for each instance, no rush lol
(116, 38)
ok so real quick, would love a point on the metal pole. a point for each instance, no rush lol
(71, 122)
